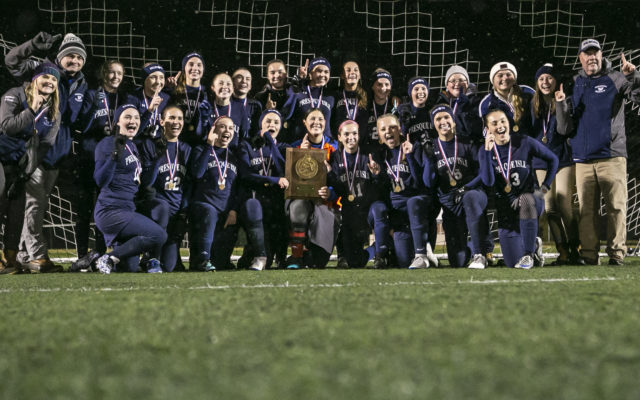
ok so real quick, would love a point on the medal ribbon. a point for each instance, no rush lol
(136, 176)
(222, 175)
(375, 111)
(350, 114)
(265, 168)
(504, 175)
(186, 94)
(455, 156)
(396, 176)
(173, 168)
(215, 107)
(106, 106)
(155, 112)
(546, 123)
(311, 97)
(346, 169)
(40, 114)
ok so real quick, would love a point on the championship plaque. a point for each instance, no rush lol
(306, 173)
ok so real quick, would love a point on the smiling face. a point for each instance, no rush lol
(315, 123)
(319, 76)
(129, 122)
(381, 89)
(277, 75)
(241, 82)
(546, 84)
(445, 125)
(271, 122)
(154, 83)
(224, 130)
(498, 126)
(591, 61)
(172, 122)
(503, 81)
(194, 69)
(222, 86)
(349, 137)
(457, 85)
(113, 77)
(351, 75)
(72, 63)
(389, 131)
(46, 84)
(419, 95)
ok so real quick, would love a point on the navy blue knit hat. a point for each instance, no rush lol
(189, 56)
(417, 81)
(318, 61)
(46, 68)
(269, 111)
(441, 108)
(382, 75)
(546, 69)
(121, 109)
(150, 69)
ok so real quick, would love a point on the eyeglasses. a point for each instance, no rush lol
(457, 81)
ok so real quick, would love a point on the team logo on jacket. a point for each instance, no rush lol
(78, 97)
(601, 88)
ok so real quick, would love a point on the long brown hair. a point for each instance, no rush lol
(361, 94)
(539, 105)
(53, 102)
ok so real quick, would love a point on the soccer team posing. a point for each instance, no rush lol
(177, 157)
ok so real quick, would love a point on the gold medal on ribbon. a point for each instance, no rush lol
(452, 182)
(507, 188)
(170, 186)
(351, 197)
(397, 189)
(221, 185)
(544, 139)
(191, 128)
(516, 128)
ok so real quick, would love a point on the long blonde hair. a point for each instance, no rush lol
(53, 102)
(539, 104)
(518, 103)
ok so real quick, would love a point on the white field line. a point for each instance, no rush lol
(287, 285)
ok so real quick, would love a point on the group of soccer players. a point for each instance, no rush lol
(183, 155)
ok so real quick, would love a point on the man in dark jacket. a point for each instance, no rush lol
(599, 146)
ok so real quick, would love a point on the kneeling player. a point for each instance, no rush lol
(505, 164)
(452, 169)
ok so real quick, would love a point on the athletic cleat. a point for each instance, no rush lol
(526, 262)
(538, 257)
(433, 260)
(616, 261)
(379, 262)
(153, 266)
(105, 264)
(258, 263)
(478, 262)
(342, 263)
(295, 263)
(85, 263)
(420, 261)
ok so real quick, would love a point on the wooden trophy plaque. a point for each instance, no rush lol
(306, 173)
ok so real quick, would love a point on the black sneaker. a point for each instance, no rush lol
(85, 263)
(616, 261)
(380, 262)
(342, 263)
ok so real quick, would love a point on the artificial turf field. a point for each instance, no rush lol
(547, 333)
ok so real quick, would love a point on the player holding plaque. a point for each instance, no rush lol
(314, 223)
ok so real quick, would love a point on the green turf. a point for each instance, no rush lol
(550, 333)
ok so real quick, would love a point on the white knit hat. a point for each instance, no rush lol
(500, 66)
(456, 69)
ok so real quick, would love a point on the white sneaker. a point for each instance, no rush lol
(105, 264)
(526, 262)
(419, 262)
(538, 257)
(258, 263)
(478, 262)
(433, 260)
